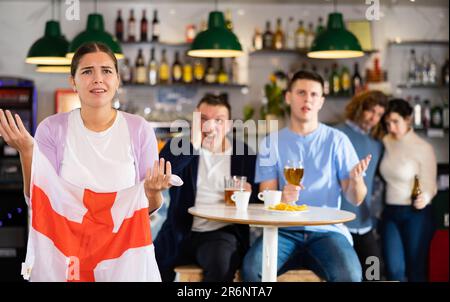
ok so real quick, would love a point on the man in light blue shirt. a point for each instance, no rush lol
(331, 167)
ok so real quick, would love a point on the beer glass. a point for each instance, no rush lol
(293, 172)
(233, 183)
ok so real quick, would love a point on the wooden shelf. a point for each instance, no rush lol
(419, 42)
(194, 85)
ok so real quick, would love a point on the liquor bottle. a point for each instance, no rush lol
(164, 69)
(228, 21)
(426, 114)
(445, 117)
(417, 113)
(152, 68)
(125, 72)
(187, 71)
(326, 81)
(267, 37)
(335, 83)
(119, 26)
(357, 82)
(432, 71)
(310, 35)
(412, 67)
(278, 38)
(300, 36)
(290, 34)
(424, 74)
(177, 69)
(320, 28)
(416, 191)
(199, 71)
(257, 39)
(210, 76)
(140, 68)
(445, 73)
(144, 27)
(436, 117)
(345, 81)
(131, 27)
(155, 27)
(222, 75)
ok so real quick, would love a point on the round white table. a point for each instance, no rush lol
(270, 221)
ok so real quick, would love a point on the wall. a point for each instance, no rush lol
(22, 22)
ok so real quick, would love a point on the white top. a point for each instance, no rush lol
(99, 161)
(403, 159)
(212, 169)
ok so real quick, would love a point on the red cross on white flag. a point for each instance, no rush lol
(80, 235)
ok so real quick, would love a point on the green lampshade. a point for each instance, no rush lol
(335, 42)
(95, 32)
(217, 41)
(51, 49)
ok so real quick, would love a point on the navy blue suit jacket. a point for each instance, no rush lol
(177, 227)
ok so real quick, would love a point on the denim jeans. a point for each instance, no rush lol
(406, 235)
(328, 254)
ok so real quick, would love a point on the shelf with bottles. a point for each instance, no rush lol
(399, 42)
(145, 32)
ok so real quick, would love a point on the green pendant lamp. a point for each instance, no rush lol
(336, 42)
(51, 49)
(217, 41)
(95, 32)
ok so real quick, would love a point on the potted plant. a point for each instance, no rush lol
(274, 106)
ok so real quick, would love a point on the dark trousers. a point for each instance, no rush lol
(406, 235)
(219, 253)
(366, 246)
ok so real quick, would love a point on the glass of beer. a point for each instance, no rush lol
(233, 183)
(293, 172)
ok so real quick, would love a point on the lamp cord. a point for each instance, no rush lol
(53, 9)
(216, 5)
(95, 7)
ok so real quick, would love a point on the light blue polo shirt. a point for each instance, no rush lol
(328, 157)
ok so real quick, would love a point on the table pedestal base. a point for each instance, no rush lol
(270, 254)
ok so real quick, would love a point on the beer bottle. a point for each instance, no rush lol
(416, 191)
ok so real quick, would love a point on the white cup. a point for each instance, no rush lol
(270, 197)
(241, 199)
